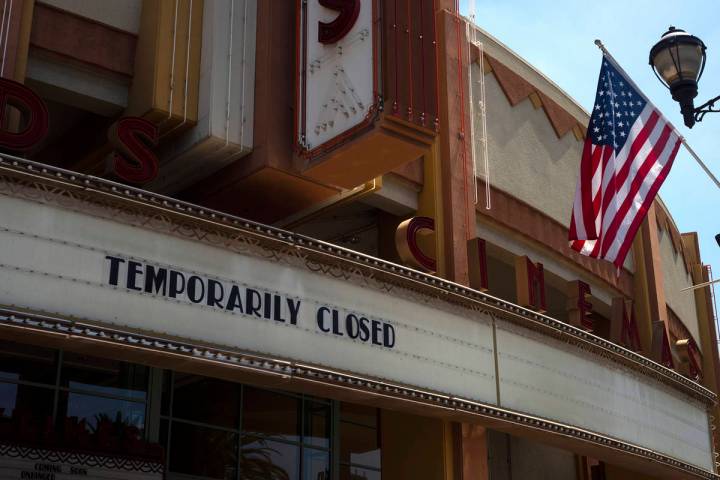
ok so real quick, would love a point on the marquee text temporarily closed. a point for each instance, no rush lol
(234, 298)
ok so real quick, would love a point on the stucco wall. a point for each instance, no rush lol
(675, 278)
(526, 157)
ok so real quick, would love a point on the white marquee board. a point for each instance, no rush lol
(65, 262)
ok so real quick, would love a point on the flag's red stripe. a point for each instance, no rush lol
(637, 181)
(586, 174)
(642, 211)
(637, 144)
(608, 191)
(597, 161)
(622, 174)
(577, 245)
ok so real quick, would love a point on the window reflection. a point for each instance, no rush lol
(203, 452)
(263, 459)
(25, 411)
(271, 414)
(94, 411)
(359, 414)
(211, 429)
(316, 464)
(104, 376)
(27, 363)
(360, 456)
(359, 445)
(357, 473)
(317, 424)
(206, 400)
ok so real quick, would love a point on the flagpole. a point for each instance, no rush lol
(700, 285)
(682, 139)
(702, 164)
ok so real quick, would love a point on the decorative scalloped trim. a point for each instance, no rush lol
(84, 459)
(267, 365)
(324, 257)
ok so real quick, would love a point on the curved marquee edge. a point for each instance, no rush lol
(250, 362)
(41, 176)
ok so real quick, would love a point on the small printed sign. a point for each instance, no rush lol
(27, 463)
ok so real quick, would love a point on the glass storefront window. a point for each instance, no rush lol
(316, 464)
(88, 402)
(262, 459)
(25, 411)
(209, 428)
(104, 376)
(102, 413)
(317, 424)
(359, 414)
(271, 414)
(202, 452)
(26, 363)
(206, 400)
(348, 472)
(282, 436)
(359, 443)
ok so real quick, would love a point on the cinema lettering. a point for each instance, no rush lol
(530, 287)
(238, 298)
(131, 159)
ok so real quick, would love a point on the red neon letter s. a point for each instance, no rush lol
(334, 31)
(134, 162)
(34, 111)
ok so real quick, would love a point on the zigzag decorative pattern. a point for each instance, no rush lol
(517, 89)
(88, 460)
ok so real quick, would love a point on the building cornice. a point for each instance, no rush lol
(301, 373)
(330, 259)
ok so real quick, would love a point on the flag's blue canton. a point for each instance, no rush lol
(617, 106)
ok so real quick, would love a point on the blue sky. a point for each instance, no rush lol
(556, 36)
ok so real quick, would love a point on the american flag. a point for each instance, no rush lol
(628, 152)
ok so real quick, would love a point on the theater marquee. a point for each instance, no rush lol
(80, 249)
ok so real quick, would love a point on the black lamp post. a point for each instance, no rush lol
(678, 61)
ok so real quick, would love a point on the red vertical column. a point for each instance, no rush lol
(455, 155)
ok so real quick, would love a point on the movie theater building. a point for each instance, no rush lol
(322, 240)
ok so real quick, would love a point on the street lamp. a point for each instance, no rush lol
(678, 61)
